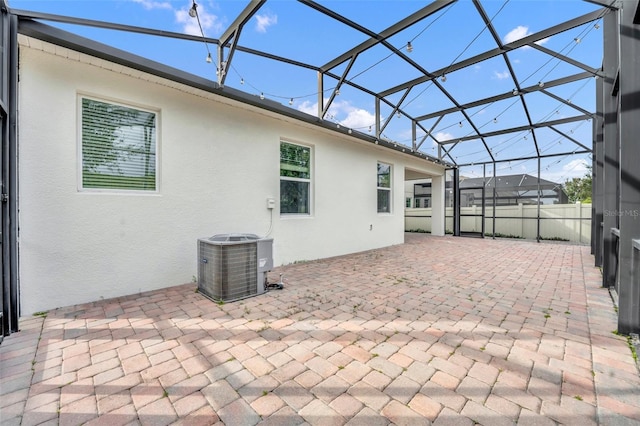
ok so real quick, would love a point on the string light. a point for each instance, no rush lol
(540, 84)
(242, 81)
(409, 47)
(291, 101)
(460, 124)
(209, 60)
(193, 12)
(443, 78)
(262, 95)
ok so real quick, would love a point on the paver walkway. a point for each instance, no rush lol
(443, 331)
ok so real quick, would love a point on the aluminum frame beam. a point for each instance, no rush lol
(531, 157)
(498, 42)
(507, 95)
(518, 129)
(628, 211)
(233, 33)
(611, 147)
(597, 198)
(525, 41)
(376, 38)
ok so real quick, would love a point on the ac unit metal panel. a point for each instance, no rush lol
(233, 267)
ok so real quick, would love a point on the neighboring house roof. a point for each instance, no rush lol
(520, 181)
(56, 36)
(508, 186)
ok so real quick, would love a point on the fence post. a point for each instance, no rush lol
(522, 220)
(579, 208)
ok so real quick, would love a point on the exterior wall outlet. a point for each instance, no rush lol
(271, 203)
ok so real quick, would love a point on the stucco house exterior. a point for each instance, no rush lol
(125, 163)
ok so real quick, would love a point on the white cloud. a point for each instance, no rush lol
(516, 34)
(150, 4)
(211, 24)
(308, 107)
(358, 118)
(575, 168)
(443, 136)
(501, 75)
(520, 32)
(344, 113)
(265, 21)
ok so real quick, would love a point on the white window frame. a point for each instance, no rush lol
(382, 188)
(156, 165)
(309, 180)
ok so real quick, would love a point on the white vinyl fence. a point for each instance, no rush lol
(563, 222)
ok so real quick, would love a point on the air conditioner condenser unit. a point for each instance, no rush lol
(233, 266)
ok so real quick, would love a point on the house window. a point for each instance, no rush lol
(384, 188)
(295, 179)
(118, 147)
(407, 202)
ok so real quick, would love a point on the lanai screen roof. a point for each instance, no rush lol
(468, 82)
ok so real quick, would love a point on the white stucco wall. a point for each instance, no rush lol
(218, 164)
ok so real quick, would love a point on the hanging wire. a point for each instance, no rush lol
(194, 8)
(459, 55)
(573, 44)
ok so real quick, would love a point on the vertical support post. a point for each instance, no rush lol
(413, 135)
(9, 166)
(320, 94)
(438, 205)
(597, 197)
(13, 172)
(377, 118)
(456, 202)
(629, 210)
(495, 184)
(484, 184)
(611, 146)
(538, 211)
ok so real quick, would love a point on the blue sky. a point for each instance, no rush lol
(291, 29)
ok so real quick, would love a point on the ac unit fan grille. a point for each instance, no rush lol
(228, 272)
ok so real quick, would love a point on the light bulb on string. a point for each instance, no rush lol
(193, 12)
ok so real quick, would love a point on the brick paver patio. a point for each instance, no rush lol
(443, 331)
